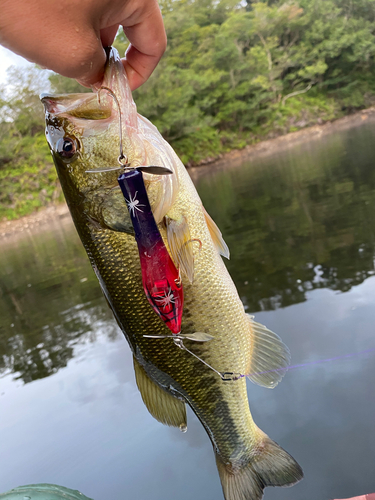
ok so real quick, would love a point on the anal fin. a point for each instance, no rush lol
(164, 407)
(270, 357)
(216, 235)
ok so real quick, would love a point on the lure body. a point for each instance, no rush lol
(160, 278)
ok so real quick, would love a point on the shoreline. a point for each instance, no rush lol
(41, 220)
(280, 143)
(37, 221)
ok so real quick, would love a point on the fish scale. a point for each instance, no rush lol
(167, 376)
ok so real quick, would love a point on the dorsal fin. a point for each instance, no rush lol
(164, 407)
(216, 235)
(270, 357)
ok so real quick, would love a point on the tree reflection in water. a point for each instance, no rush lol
(299, 220)
(49, 301)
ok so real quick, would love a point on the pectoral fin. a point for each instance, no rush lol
(115, 212)
(270, 357)
(106, 209)
(216, 235)
(164, 407)
(181, 245)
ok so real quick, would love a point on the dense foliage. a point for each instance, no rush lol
(27, 177)
(232, 74)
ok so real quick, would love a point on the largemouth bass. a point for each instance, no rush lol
(83, 134)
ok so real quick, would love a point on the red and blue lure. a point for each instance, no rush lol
(161, 280)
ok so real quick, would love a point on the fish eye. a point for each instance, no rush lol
(66, 147)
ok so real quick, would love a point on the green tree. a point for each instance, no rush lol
(27, 176)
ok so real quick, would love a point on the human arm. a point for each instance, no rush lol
(68, 36)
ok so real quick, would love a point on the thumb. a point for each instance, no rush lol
(94, 73)
(87, 65)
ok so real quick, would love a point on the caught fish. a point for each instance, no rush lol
(219, 343)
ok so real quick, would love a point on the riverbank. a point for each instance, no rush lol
(37, 221)
(281, 143)
(41, 220)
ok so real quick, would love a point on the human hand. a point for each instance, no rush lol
(68, 36)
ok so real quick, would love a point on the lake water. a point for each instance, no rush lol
(300, 227)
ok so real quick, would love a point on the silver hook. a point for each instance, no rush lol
(225, 376)
(178, 340)
(149, 169)
(122, 159)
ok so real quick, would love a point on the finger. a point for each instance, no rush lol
(95, 77)
(88, 68)
(107, 35)
(93, 55)
(148, 41)
(73, 49)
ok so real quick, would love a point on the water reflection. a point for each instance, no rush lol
(299, 220)
(300, 229)
(49, 301)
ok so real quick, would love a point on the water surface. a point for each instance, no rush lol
(300, 227)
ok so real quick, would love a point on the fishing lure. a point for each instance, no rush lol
(161, 279)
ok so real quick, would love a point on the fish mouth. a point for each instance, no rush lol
(86, 106)
(101, 105)
(91, 105)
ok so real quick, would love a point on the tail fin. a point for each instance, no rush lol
(272, 466)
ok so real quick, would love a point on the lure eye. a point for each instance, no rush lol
(66, 147)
